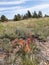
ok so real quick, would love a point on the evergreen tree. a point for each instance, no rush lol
(39, 14)
(3, 18)
(29, 14)
(46, 15)
(17, 17)
(35, 14)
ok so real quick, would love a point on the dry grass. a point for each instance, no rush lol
(40, 26)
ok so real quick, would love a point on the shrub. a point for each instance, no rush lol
(3, 18)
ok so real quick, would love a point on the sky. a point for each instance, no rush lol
(11, 7)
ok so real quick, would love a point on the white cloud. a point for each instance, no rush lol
(10, 8)
(41, 7)
(20, 8)
(13, 2)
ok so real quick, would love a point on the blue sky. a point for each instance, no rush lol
(11, 7)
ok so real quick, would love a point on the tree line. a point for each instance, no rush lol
(25, 16)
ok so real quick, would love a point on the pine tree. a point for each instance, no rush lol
(35, 15)
(39, 14)
(3, 18)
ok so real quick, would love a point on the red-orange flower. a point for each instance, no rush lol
(29, 40)
(21, 42)
(27, 49)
